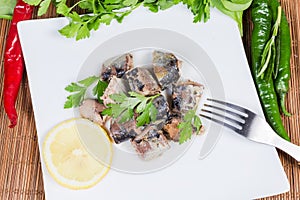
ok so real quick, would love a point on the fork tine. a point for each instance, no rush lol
(227, 111)
(225, 117)
(239, 108)
(221, 123)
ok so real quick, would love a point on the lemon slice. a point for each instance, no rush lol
(67, 156)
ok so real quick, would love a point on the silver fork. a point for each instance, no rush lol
(248, 124)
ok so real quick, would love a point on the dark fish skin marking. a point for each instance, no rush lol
(122, 132)
(134, 72)
(116, 67)
(176, 103)
(140, 80)
(106, 75)
(166, 68)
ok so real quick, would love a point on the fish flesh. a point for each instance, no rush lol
(186, 96)
(163, 110)
(141, 81)
(166, 68)
(116, 67)
(91, 109)
(171, 129)
(115, 86)
(150, 144)
(121, 132)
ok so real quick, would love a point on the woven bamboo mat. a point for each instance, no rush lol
(20, 167)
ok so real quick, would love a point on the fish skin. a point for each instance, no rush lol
(150, 144)
(166, 68)
(116, 66)
(141, 81)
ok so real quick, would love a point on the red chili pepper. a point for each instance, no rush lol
(13, 61)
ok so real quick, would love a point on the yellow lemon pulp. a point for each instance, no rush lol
(68, 157)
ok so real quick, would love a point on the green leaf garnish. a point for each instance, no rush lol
(190, 121)
(7, 8)
(105, 11)
(44, 5)
(78, 91)
(125, 107)
(99, 89)
(33, 2)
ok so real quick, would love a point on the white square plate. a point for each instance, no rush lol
(236, 169)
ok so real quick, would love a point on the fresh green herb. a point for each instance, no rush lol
(200, 9)
(101, 12)
(156, 5)
(7, 8)
(236, 5)
(233, 9)
(79, 89)
(124, 108)
(105, 11)
(190, 122)
(99, 89)
(44, 5)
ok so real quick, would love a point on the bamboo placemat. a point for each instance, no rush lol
(20, 167)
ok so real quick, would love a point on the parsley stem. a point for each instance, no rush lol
(94, 7)
(71, 8)
(94, 17)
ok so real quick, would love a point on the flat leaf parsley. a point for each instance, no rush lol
(125, 107)
(105, 11)
(190, 122)
(78, 91)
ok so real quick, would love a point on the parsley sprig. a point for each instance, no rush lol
(78, 90)
(105, 11)
(200, 9)
(190, 122)
(125, 107)
(100, 12)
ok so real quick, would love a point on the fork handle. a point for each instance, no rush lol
(288, 147)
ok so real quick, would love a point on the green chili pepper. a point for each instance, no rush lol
(283, 48)
(262, 24)
(268, 55)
